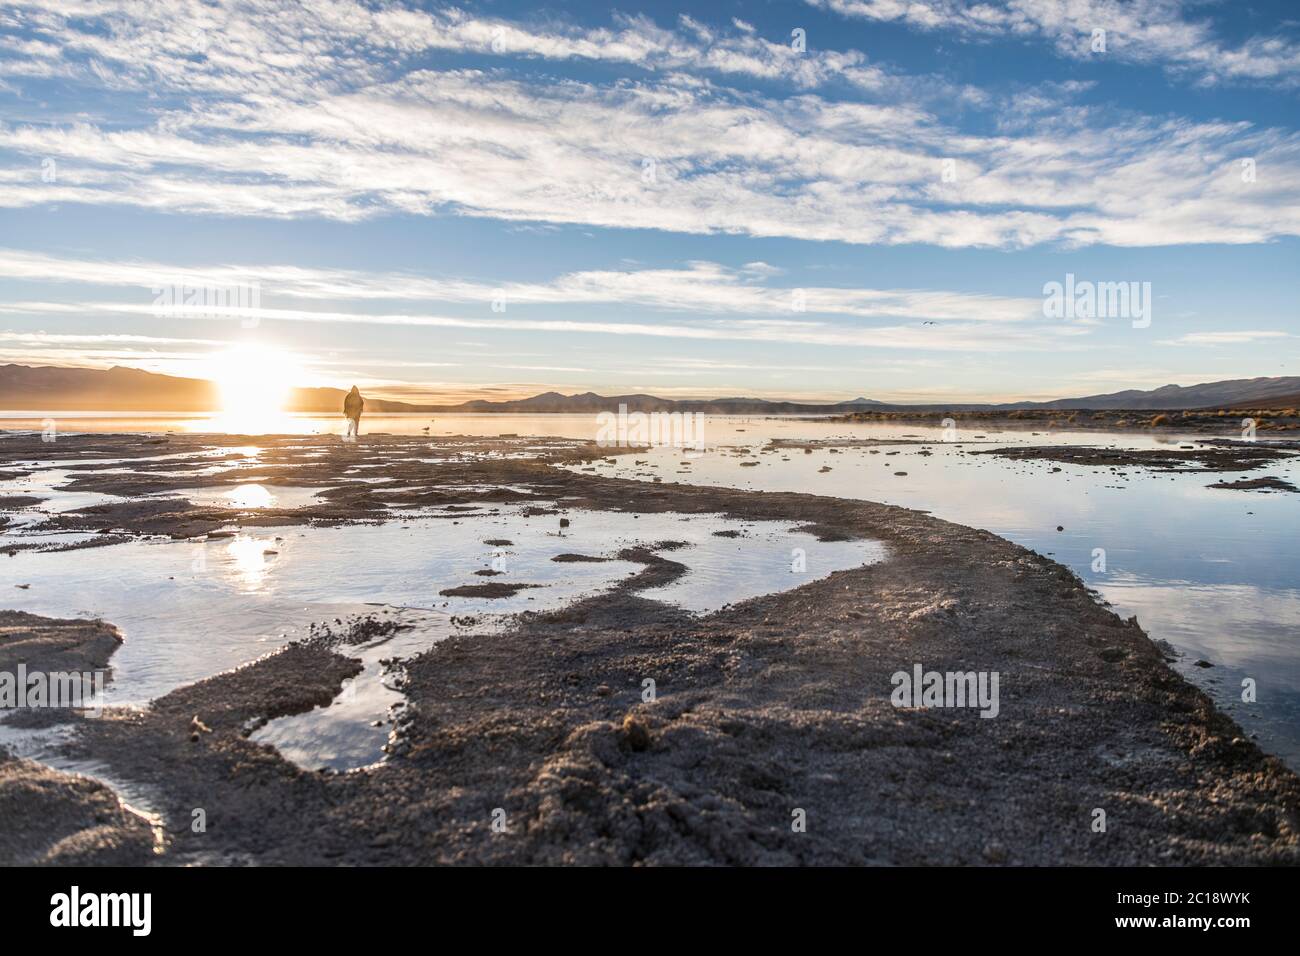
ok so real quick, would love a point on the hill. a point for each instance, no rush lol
(118, 389)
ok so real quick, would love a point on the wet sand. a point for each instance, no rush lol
(536, 745)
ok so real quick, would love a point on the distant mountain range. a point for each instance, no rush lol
(49, 388)
(591, 402)
(1282, 390)
(54, 389)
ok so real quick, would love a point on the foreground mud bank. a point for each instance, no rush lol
(52, 817)
(539, 745)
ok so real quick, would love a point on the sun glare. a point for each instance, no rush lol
(254, 383)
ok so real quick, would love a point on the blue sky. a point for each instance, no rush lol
(496, 199)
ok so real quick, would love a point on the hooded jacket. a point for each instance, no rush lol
(353, 404)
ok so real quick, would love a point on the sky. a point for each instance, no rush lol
(809, 199)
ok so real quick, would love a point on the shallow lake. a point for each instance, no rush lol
(1215, 573)
(193, 609)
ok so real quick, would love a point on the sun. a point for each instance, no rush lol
(254, 383)
(252, 378)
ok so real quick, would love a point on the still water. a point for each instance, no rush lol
(193, 609)
(1212, 572)
(1215, 573)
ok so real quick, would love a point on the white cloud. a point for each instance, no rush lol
(297, 111)
(954, 337)
(267, 45)
(1241, 337)
(41, 338)
(1137, 31)
(682, 158)
(700, 288)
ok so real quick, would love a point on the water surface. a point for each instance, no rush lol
(1214, 573)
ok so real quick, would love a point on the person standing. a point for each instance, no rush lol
(353, 406)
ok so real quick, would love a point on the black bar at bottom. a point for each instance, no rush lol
(221, 904)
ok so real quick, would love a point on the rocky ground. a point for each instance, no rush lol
(537, 746)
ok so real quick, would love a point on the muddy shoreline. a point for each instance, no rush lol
(1203, 456)
(1112, 420)
(50, 817)
(537, 746)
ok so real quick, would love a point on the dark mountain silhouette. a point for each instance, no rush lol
(50, 388)
(118, 389)
(1208, 395)
(47, 388)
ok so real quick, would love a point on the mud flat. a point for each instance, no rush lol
(1109, 419)
(538, 745)
(1208, 456)
(52, 817)
(1267, 484)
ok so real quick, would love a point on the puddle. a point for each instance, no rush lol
(190, 610)
(46, 484)
(354, 729)
(250, 496)
(766, 558)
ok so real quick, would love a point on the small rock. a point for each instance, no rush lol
(1113, 655)
(635, 732)
(995, 852)
(1204, 664)
(602, 690)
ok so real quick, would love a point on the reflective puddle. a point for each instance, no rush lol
(250, 496)
(193, 609)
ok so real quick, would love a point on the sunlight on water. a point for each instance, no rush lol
(1215, 573)
(251, 559)
(241, 421)
(191, 609)
(249, 496)
(254, 385)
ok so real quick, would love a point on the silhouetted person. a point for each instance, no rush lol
(353, 405)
